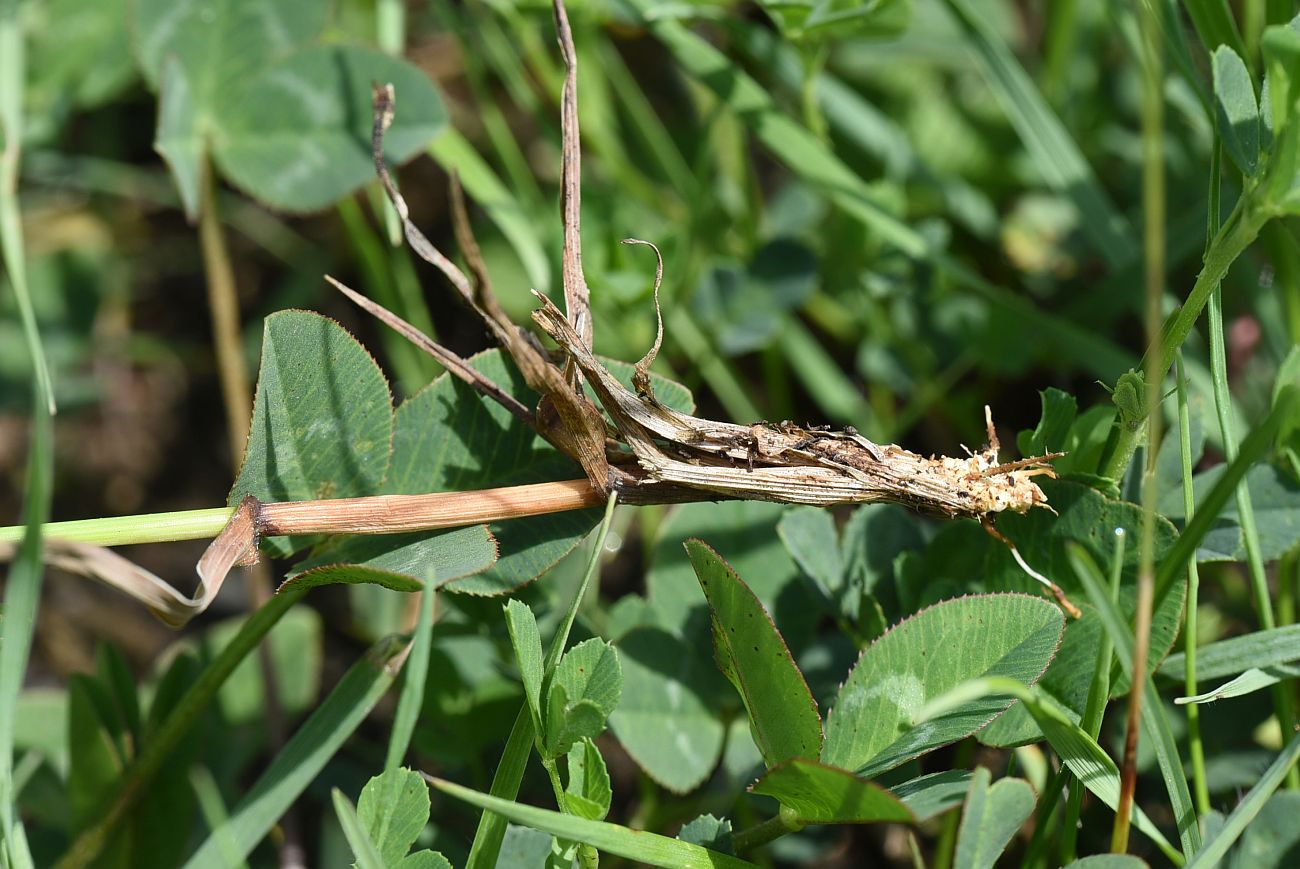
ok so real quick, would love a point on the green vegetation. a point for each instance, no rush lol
(885, 215)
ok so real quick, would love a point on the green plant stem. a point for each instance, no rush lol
(156, 747)
(768, 831)
(126, 530)
(223, 303)
(491, 830)
(23, 590)
(1196, 750)
(1282, 701)
(1239, 230)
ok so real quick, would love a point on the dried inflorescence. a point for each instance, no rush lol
(649, 453)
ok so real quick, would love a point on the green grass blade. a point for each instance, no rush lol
(1215, 25)
(417, 672)
(1049, 145)
(23, 590)
(303, 757)
(1238, 654)
(1217, 847)
(215, 814)
(638, 845)
(455, 154)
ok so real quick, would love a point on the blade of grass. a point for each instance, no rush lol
(417, 672)
(215, 814)
(303, 757)
(1153, 717)
(1215, 26)
(1053, 151)
(1200, 787)
(1235, 824)
(510, 769)
(1238, 654)
(1282, 698)
(412, 368)
(455, 154)
(639, 845)
(23, 590)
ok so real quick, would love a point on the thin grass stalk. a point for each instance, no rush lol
(491, 830)
(223, 304)
(1196, 750)
(1283, 706)
(1153, 203)
(23, 590)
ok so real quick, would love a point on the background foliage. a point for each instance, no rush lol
(884, 215)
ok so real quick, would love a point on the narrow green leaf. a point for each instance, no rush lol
(414, 678)
(992, 817)
(1238, 112)
(1252, 680)
(813, 793)
(393, 810)
(1238, 654)
(527, 643)
(1216, 848)
(639, 845)
(302, 758)
(870, 727)
(753, 656)
(363, 849)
